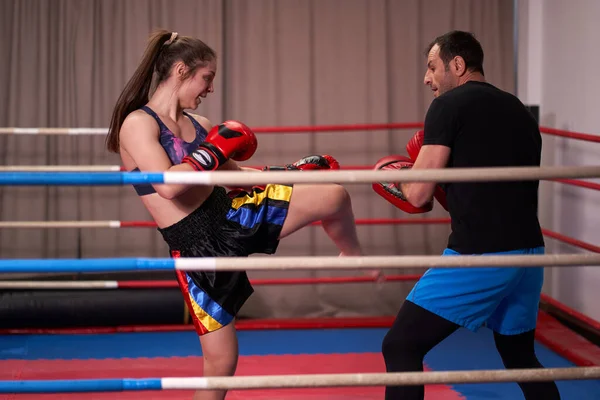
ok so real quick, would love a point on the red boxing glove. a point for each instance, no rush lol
(392, 191)
(313, 162)
(230, 139)
(413, 147)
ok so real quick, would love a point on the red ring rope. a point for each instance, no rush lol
(571, 241)
(403, 221)
(580, 183)
(371, 221)
(569, 134)
(314, 129)
(138, 224)
(166, 284)
(407, 125)
(338, 128)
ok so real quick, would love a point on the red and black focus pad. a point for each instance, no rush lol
(230, 139)
(312, 162)
(413, 147)
(391, 191)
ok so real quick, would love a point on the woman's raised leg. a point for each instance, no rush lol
(330, 204)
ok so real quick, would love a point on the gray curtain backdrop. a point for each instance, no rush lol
(281, 62)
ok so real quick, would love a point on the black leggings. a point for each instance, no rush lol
(416, 331)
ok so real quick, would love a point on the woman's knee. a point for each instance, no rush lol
(311, 203)
(220, 363)
(220, 351)
(338, 197)
(321, 200)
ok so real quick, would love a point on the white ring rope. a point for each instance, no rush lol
(59, 285)
(236, 178)
(382, 379)
(59, 224)
(53, 131)
(264, 263)
(60, 168)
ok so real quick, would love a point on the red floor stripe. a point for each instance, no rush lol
(565, 342)
(192, 366)
(592, 323)
(553, 334)
(550, 332)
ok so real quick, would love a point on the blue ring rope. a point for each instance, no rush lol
(79, 385)
(80, 178)
(86, 265)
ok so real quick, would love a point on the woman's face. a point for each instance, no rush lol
(197, 86)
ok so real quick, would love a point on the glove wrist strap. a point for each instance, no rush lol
(205, 158)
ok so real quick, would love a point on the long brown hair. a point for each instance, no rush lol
(158, 59)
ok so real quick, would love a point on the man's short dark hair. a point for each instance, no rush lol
(463, 44)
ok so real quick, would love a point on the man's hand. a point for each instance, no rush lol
(392, 191)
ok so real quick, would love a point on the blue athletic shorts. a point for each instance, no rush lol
(506, 299)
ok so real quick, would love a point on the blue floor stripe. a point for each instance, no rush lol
(183, 344)
(463, 350)
(467, 350)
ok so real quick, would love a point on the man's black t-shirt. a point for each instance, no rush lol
(487, 127)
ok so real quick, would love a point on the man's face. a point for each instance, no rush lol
(438, 77)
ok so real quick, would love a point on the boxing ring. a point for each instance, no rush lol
(317, 358)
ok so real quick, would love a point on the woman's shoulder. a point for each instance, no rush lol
(139, 121)
(203, 121)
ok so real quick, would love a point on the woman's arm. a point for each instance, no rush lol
(139, 138)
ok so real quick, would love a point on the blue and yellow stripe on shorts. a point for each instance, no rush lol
(207, 314)
(259, 216)
(268, 206)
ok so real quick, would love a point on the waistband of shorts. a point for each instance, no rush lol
(200, 222)
(449, 251)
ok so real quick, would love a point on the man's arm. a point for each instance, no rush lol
(430, 156)
(431, 148)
